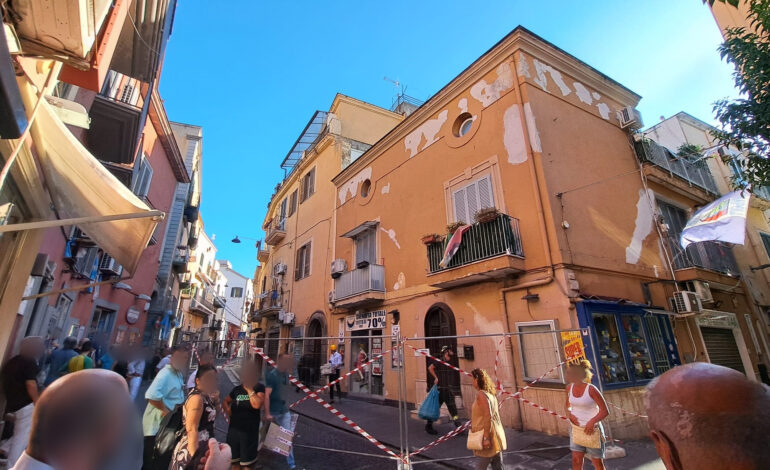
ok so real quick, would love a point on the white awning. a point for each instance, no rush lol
(360, 229)
(81, 187)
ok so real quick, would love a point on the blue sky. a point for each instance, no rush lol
(251, 73)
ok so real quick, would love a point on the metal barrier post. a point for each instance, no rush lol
(407, 464)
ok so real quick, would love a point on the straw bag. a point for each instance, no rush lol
(590, 441)
(476, 439)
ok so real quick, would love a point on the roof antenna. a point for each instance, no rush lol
(402, 103)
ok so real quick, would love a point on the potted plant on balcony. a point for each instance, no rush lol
(487, 214)
(450, 229)
(431, 238)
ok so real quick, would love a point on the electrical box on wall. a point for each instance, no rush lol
(468, 352)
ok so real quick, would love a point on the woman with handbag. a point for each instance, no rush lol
(487, 436)
(587, 408)
(199, 412)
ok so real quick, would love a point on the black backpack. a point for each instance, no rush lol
(169, 433)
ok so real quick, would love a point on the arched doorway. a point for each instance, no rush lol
(313, 355)
(440, 331)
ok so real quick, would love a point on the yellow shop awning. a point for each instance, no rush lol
(85, 191)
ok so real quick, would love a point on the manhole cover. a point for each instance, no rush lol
(545, 450)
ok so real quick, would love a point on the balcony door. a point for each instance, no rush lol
(440, 331)
(366, 247)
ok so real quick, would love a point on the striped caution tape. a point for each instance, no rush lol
(343, 377)
(329, 407)
(443, 438)
(626, 412)
(497, 362)
(440, 360)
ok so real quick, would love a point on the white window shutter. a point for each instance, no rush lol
(484, 189)
(461, 210)
(147, 181)
(472, 198)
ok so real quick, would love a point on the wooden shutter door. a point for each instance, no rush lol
(298, 263)
(460, 206)
(472, 199)
(484, 191)
(306, 271)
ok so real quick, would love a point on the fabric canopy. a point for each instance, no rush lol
(81, 187)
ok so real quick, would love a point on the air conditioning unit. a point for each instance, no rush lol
(703, 290)
(288, 318)
(339, 266)
(85, 261)
(108, 265)
(280, 268)
(686, 302)
(630, 117)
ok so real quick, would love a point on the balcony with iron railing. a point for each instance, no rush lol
(666, 167)
(712, 256)
(360, 286)
(181, 260)
(276, 230)
(489, 250)
(270, 302)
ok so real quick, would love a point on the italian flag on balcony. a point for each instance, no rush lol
(453, 245)
(723, 220)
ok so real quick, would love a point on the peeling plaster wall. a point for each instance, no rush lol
(643, 225)
(392, 235)
(351, 187)
(534, 136)
(428, 130)
(488, 93)
(513, 136)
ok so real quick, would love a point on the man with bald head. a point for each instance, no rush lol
(703, 416)
(84, 421)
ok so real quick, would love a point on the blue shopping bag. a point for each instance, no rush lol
(430, 407)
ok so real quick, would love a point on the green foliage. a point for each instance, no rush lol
(745, 122)
(690, 151)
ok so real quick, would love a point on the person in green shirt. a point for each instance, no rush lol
(82, 360)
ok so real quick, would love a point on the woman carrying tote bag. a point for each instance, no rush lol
(587, 409)
(487, 437)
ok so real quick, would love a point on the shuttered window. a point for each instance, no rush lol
(302, 266)
(471, 198)
(292, 203)
(308, 185)
(366, 247)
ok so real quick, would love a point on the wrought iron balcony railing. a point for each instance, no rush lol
(483, 240)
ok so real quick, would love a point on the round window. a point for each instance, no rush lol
(366, 186)
(463, 124)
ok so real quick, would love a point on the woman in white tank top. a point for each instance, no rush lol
(587, 408)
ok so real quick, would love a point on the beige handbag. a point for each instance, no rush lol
(590, 441)
(476, 439)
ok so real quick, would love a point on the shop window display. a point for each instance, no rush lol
(639, 353)
(613, 365)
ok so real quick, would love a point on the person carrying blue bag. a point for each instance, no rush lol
(442, 386)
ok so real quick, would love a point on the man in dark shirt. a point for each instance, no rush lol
(243, 405)
(442, 378)
(19, 382)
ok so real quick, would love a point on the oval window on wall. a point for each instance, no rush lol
(463, 124)
(366, 186)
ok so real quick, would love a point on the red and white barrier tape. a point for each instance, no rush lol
(343, 377)
(329, 407)
(443, 438)
(626, 412)
(440, 360)
(497, 361)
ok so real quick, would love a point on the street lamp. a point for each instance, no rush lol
(258, 241)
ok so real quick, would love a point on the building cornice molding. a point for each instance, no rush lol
(160, 122)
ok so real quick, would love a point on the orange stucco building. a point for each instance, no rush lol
(580, 232)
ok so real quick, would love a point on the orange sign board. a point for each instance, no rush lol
(572, 343)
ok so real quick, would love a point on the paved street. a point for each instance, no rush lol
(325, 442)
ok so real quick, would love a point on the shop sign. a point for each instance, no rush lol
(717, 319)
(366, 321)
(572, 344)
(395, 330)
(132, 315)
(377, 349)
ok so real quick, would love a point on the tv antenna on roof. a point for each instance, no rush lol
(402, 99)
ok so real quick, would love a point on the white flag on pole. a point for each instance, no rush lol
(722, 220)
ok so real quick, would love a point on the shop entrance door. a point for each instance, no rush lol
(368, 380)
(440, 324)
(722, 347)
